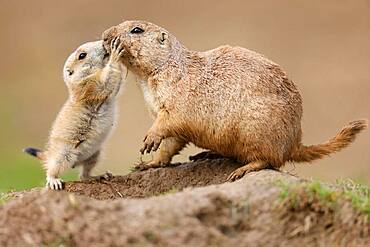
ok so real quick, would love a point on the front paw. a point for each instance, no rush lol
(54, 183)
(151, 142)
(117, 49)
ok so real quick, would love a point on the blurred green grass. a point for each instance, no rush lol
(20, 171)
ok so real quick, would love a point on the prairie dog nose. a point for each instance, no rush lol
(69, 71)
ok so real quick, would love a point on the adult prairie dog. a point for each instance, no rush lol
(229, 100)
(83, 124)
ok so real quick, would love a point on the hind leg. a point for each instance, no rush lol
(250, 167)
(88, 165)
(169, 147)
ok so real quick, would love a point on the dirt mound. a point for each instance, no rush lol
(247, 212)
(157, 181)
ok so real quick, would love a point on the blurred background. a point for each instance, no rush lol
(323, 45)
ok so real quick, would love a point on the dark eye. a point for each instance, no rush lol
(137, 30)
(82, 55)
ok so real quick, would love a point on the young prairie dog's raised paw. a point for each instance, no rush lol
(116, 50)
(93, 78)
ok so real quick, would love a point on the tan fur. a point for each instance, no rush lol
(84, 122)
(230, 100)
(341, 140)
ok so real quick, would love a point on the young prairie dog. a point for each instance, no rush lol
(86, 119)
(230, 100)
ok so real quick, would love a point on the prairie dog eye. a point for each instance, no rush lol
(137, 30)
(82, 55)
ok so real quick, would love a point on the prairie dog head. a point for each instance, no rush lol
(84, 61)
(147, 46)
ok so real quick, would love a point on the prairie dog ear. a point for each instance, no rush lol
(162, 37)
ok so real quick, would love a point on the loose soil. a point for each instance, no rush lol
(185, 205)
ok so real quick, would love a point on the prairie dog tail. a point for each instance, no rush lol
(35, 152)
(338, 142)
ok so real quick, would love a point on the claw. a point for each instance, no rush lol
(116, 43)
(54, 183)
(117, 48)
(151, 143)
(142, 150)
(120, 48)
(120, 54)
(237, 174)
(149, 147)
(156, 146)
(112, 43)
